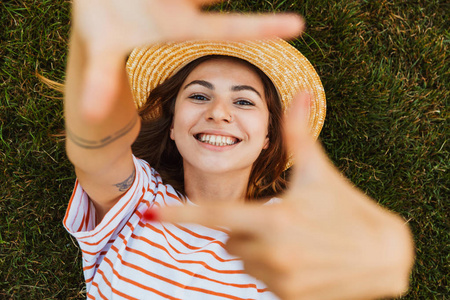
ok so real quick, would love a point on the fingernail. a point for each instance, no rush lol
(150, 215)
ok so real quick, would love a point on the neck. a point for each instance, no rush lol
(209, 188)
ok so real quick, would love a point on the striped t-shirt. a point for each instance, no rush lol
(125, 257)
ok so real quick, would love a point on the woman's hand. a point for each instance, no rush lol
(119, 26)
(108, 30)
(325, 240)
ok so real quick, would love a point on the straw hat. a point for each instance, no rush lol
(286, 67)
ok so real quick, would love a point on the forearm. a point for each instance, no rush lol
(93, 143)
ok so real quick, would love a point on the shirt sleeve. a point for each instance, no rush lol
(79, 220)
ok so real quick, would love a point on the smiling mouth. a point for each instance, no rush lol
(216, 140)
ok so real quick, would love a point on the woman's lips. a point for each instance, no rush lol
(216, 139)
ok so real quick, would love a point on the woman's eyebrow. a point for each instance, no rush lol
(204, 83)
(237, 88)
(234, 88)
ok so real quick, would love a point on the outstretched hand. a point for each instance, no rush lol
(110, 29)
(117, 25)
(325, 240)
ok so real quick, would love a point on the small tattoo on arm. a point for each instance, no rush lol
(92, 144)
(125, 185)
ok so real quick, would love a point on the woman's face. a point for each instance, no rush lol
(221, 118)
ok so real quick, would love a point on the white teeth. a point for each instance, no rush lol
(216, 140)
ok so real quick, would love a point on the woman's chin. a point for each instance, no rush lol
(217, 167)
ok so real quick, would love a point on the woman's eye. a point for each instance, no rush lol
(198, 97)
(242, 102)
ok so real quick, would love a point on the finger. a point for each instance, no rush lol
(239, 218)
(296, 123)
(100, 88)
(246, 246)
(240, 26)
(310, 161)
(205, 2)
(254, 253)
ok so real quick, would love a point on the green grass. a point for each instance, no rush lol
(385, 69)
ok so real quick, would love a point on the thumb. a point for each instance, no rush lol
(100, 88)
(296, 122)
(310, 160)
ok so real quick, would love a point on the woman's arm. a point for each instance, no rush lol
(99, 148)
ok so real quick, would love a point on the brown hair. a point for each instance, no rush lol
(267, 177)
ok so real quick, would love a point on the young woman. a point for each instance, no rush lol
(210, 122)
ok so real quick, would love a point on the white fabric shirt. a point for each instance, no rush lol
(125, 257)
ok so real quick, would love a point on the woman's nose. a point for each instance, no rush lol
(219, 111)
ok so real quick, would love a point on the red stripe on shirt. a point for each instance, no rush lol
(156, 245)
(130, 282)
(197, 249)
(140, 269)
(190, 273)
